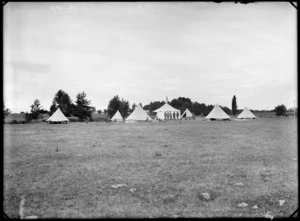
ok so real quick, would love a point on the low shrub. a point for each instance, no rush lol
(74, 119)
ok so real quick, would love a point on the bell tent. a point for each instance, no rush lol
(58, 117)
(139, 114)
(217, 114)
(164, 109)
(187, 114)
(246, 114)
(117, 117)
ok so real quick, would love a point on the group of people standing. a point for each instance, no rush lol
(171, 115)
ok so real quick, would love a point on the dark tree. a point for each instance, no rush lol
(182, 103)
(35, 109)
(199, 109)
(208, 109)
(280, 110)
(154, 105)
(115, 104)
(64, 102)
(234, 106)
(28, 117)
(133, 106)
(124, 109)
(53, 108)
(99, 111)
(226, 110)
(82, 109)
(6, 111)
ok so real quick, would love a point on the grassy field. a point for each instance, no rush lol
(166, 167)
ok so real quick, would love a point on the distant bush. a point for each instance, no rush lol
(74, 119)
(28, 117)
(16, 122)
(280, 110)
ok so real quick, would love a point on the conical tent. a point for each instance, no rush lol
(246, 114)
(187, 113)
(165, 108)
(139, 114)
(58, 116)
(117, 117)
(217, 114)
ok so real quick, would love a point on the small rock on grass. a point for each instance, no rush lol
(132, 190)
(239, 184)
(242, 204)
(268, 215)
(206, 196)
(117, 185)
(281, 202)
(158, 154)
(255, 207)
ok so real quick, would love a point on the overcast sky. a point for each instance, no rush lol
(146, 51)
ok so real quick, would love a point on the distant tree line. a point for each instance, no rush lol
(82, 108)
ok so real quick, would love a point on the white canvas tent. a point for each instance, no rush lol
(58, 117)
(165, 108)
(139, 114)
(117, 117)
(187, 114)
(217, 114)
(246, 114)
(160, 115)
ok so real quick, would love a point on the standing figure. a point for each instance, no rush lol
(170, 115)
(174, 116)
(165, 115)
(177, 115)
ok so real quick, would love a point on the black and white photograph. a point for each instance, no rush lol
(138, 109)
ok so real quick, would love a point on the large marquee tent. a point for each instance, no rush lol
(165, 108)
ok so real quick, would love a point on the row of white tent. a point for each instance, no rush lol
(139, 114)
(218, 114)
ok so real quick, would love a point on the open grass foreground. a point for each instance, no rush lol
(72, 171)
